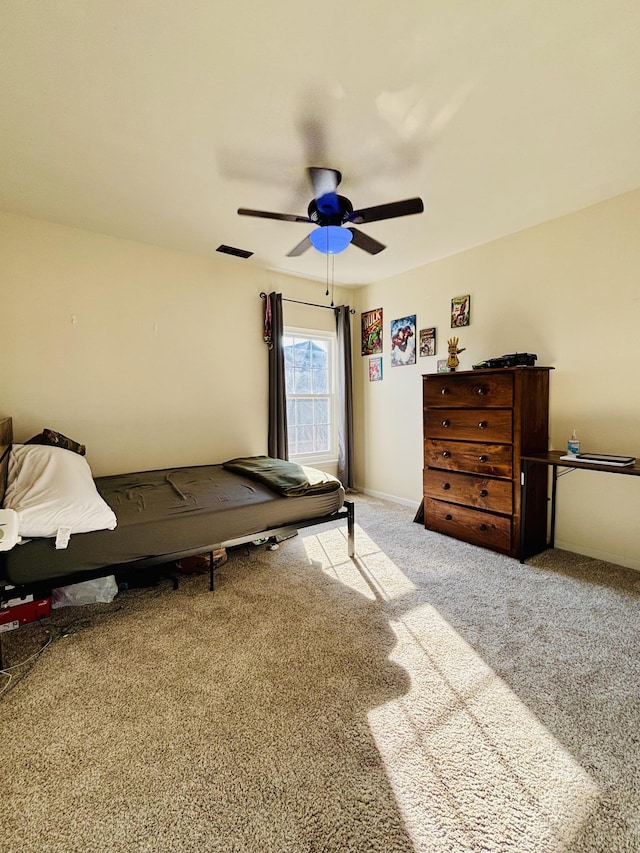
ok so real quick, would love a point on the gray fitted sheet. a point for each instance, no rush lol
(168, 512)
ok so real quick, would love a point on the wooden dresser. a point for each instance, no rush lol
(477, 425)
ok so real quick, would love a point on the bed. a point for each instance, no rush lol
(162, 516)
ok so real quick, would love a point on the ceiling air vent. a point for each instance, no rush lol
(230, 250)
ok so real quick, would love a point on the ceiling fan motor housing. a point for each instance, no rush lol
(330, 209)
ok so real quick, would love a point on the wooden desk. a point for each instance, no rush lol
(552, 458)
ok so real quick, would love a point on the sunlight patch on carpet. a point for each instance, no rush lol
(471, 767)
(372, 573)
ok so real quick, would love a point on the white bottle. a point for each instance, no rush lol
(573, 445)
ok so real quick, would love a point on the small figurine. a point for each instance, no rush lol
(454, 351)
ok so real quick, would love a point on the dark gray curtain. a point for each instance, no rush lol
(344, 393)
(278, 445)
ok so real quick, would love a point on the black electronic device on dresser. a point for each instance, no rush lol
(477, 425)
(512, 359)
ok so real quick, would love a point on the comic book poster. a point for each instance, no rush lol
(460, 311)
(372, 332)
(403, 341)
(375, 369)
(428, 341)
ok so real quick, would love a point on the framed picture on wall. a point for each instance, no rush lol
(460, 311)
(375, 369)
(428, 341)
(372, 331)
(403, 341)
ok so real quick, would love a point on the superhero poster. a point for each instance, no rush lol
(403, 341)
(375, 369)
(460, 311)
(372, 332)
(428, 341)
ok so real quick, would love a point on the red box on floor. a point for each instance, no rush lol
(21, 614)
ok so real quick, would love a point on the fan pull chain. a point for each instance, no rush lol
(327, 257)
(333, 277)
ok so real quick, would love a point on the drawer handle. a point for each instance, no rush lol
(483, 527)
(446, 454)
(446, 423)
(444, 390)
(446, 486)
(483, 458)
(480, 390)
(482, 425)
(448, 516)
(483, 493)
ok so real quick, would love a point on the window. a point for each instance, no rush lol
(309, 377)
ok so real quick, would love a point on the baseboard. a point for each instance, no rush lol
(393, 498)
(607, 556)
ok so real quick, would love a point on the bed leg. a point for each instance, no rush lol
(351, 539)
(211, 571)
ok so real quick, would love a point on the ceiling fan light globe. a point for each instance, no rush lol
(331, 239)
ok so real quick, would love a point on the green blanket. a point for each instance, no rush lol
(286, 478)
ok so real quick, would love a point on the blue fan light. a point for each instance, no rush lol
(331, 239)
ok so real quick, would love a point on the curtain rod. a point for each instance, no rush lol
(263, 295)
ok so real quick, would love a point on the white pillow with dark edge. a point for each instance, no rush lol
(50, 488)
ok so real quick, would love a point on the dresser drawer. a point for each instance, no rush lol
(469, 490)
(477, 391)
(494, 460)
(485, 425)
(472, 525)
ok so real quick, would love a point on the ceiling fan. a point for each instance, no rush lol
(331, 212)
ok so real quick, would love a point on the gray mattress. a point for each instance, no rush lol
(169, 513)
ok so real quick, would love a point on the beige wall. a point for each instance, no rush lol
(566, 290)
(151, 358)
(155, 358)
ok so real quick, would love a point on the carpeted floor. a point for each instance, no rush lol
(428, 696)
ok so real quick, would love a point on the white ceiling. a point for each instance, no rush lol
(154, 120)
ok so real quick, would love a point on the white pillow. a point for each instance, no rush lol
(50, 488)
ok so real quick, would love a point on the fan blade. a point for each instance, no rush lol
(302, 246)
(264, 214)
(363, 241)
(325, 183)
(387, 211)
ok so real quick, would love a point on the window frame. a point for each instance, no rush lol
(331, 339)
